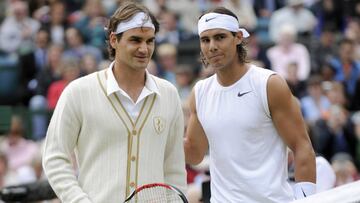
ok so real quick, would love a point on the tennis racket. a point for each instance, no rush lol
(157, 193)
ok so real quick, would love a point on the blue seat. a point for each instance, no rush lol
(5, 119)
(9, 76)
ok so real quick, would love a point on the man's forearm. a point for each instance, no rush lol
(305, 166)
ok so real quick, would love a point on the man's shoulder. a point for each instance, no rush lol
(205, 81)
(256, 70)
(84, 82)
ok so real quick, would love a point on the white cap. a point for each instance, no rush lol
(220, 21)
(138, 20)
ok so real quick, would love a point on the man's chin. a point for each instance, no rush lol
(217, 66)
(141, 66)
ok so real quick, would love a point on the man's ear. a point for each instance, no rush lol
(112, 40)
(239, 37)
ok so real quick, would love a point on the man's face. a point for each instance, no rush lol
(42, 39)
(219, 47)
(135, 48)
(72, 37)
(346, 51)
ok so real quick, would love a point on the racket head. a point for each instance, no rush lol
(156, 193)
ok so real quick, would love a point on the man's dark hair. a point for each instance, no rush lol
(240, 47)
(125, 12)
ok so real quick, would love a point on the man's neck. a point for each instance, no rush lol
(130, 80)
(229, 75)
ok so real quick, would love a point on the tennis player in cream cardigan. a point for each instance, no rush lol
(124, 125)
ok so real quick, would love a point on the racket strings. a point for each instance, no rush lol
(156, 195)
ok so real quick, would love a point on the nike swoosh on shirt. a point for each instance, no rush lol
(303, 192)
(242, 94)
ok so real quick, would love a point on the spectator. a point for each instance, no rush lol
(70, 70)
(51, 73)
(352, 32)
(347, 69)
(34, 62)
(167, 61)
(88, 64)
(315, 105)
(18, 30)
(334, 134)
(344, 168)
(77, 48)
(56, 23)
(287, 51)
(322, 50)
(327, 71)
(334, 91)
(295, 14)
(19, 151)
(91, 24)
(170, 31)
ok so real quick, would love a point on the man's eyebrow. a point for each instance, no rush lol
(220, 34)
(215, 35)
(135, 37)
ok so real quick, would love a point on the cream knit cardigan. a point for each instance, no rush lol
(114, 154)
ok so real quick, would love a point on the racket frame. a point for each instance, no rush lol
(151, 185)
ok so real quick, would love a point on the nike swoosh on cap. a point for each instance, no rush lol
(208, 19)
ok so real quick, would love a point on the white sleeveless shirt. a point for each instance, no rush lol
(248, 159)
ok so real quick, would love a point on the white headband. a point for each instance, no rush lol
(220, 21)
(138, 20)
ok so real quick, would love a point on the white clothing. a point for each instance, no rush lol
(304, 21)
(11, 30)
(280, 60)
(248, 159)
(133, 108)
(325, 175)
(114, 154)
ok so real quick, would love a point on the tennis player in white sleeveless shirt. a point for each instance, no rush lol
(248, 158)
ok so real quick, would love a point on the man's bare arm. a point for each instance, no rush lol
(195, 143)
(288, 120)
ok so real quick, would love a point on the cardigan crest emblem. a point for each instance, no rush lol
(159, 124)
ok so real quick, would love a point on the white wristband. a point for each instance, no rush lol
(304, 189)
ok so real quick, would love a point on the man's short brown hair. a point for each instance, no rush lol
(125, 12)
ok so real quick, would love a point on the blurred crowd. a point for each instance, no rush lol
(313, 44)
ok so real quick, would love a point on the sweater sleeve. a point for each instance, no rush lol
(174, 163)
(59, 147)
